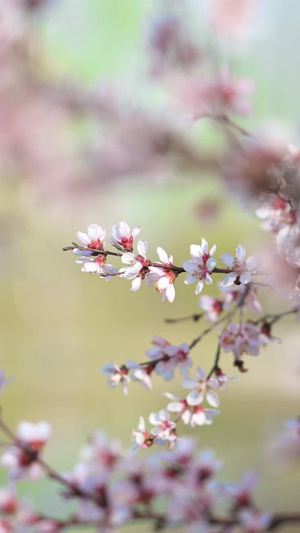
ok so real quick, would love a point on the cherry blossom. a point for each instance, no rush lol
(245, 338)
(201, 388)
(94, 238)
(253, 521)
(141, 437)
(212, 307)
(98, 266)
(164, 428)
(143, 375)
(8, 500)
(138, 266)
(117, 375)
(22, 461)
(189, 412)
(202, 265)
(241, 270)
(122, 238)
(165, 276)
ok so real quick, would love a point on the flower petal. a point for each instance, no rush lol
(229, 279)
(228, 260)
(240, 252)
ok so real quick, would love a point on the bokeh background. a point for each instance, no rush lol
(59, 326)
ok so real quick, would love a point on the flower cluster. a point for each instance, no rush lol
(111, 488)
(162, 274)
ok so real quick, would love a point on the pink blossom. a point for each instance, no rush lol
(94, 238)
(201, 388)
(169, 358)
(164, 277)
(122, 238)
(242, 493)
(22, 462)
(164, 428)
(98, 266)
(8, 500)
(253, 521)
(117, 375)
(192, 414)
(138, 266)
(212, 307)
(241, 270)
(141, 437)
(245, 338)
(202, 265)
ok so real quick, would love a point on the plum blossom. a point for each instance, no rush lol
(242, 493)
(169, 358)
(253, 521)
(202, 265)
(94, 239)
(143, 375)
(215, 97)
(22, 461)
(164, 277)
(241, 270)
(138, 266)
(244, 338)
(201, 388)
(8, 500)
(98, 266)
(287, 447)
(192, 414)
(180, 406)
(212, 307)
(118, 375)
(121, 236)
(223, 379)
(141, 437)
(164, 428)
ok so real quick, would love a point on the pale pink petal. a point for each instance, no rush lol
(229, 279)
(208, 279)
(136, 284)
(196, 251)
(142, 426)
(204, 246)
(228, 260)
(240, 252)
(251, 262)
(189, 383)
(190, 279)
(154, 419)
(162, 283)
(211, 263)
(175, 407)
(162, 254)
(245, 278)
(198, 419)
(142, 247)
(199, 287)
(189, 266)
(83, 238)
(213, 250)
(186, 416)
(124, 230)
(170, 293)
(212, 399)
(136, 231)
(201, 374)
(195, 397)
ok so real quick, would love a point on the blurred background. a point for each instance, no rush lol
(60, 326)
